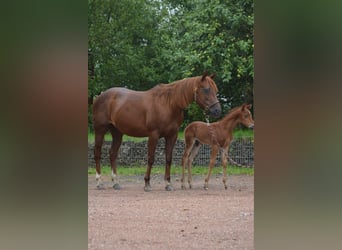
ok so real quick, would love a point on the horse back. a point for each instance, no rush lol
(135, 113)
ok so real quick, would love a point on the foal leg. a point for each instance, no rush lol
(99, 135)
(152, 144)
(213, 155)
(116, 142)
(169, 144)
(185, 160)
(194, 152)
(224, 154)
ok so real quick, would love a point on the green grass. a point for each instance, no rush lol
(175, 170)
(236, 134)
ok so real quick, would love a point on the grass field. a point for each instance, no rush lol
(175, 170)
(236, 134)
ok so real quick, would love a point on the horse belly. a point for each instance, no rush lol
(202, 133)
(132, 125)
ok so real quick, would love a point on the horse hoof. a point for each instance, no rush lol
(100, 187)
(225, 187)
(205, 188)
(169, 188)
(147, 188)
(190, 186)
(117, 186)
(183, 187)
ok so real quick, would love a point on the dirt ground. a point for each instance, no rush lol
(181, 219)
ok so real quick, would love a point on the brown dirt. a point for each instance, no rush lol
(189, 219)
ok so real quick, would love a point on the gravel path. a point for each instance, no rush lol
(182, 219)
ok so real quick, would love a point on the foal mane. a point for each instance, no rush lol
(233, 112)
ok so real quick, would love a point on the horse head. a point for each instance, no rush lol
(246, 116)
(205, 95)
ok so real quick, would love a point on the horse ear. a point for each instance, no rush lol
(205, 74)
(249, 106)
(212, 76)
(244, 106)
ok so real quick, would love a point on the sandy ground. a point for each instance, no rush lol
(181, 219)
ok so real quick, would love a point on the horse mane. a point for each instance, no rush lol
(176, 93)
(180, 92)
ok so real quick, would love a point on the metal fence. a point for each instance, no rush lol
(241, 153)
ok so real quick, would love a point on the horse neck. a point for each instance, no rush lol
(184, 92)
(230, 121)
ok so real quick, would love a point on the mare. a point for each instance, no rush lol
(218, 135)
(155, 113)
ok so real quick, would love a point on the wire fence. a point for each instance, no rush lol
(241, 153)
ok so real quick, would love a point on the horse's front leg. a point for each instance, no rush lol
(169, 144)
(116, 143)
(224, 155)
(213, 155)
(99, 136)
(152, 144)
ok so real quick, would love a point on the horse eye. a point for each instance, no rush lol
(206, 90)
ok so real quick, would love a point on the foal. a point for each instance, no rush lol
(218, 135)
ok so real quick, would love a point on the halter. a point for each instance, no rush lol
(206, 107)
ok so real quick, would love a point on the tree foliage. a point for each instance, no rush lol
(140, 43)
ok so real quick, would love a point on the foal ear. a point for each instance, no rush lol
(212, 76)
(205, 74)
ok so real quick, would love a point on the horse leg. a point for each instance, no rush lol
(194, 151)
(169, 144)
(116, 142)
(185, 160)
(224, 154)
(152, 144)
(99, 135)
(213, 155)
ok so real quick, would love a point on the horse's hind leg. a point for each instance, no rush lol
(224, 161)
(152, 144)
(99, 135)
(194, 151)
(185, 160)
(116, 142)
(213, 155)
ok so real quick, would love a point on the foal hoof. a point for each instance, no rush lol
(169, 188)
(147, 188)
(100, 186)
(205, 187)
(117, 186)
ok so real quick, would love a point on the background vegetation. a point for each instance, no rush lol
(140, 43)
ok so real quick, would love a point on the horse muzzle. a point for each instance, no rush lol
(251, 126)
(215, 110)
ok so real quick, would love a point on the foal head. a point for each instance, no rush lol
(245, 116)
(205, 95)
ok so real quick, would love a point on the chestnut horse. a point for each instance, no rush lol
(155, 113)
(218, 135)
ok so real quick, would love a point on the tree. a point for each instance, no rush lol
(140, 43)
